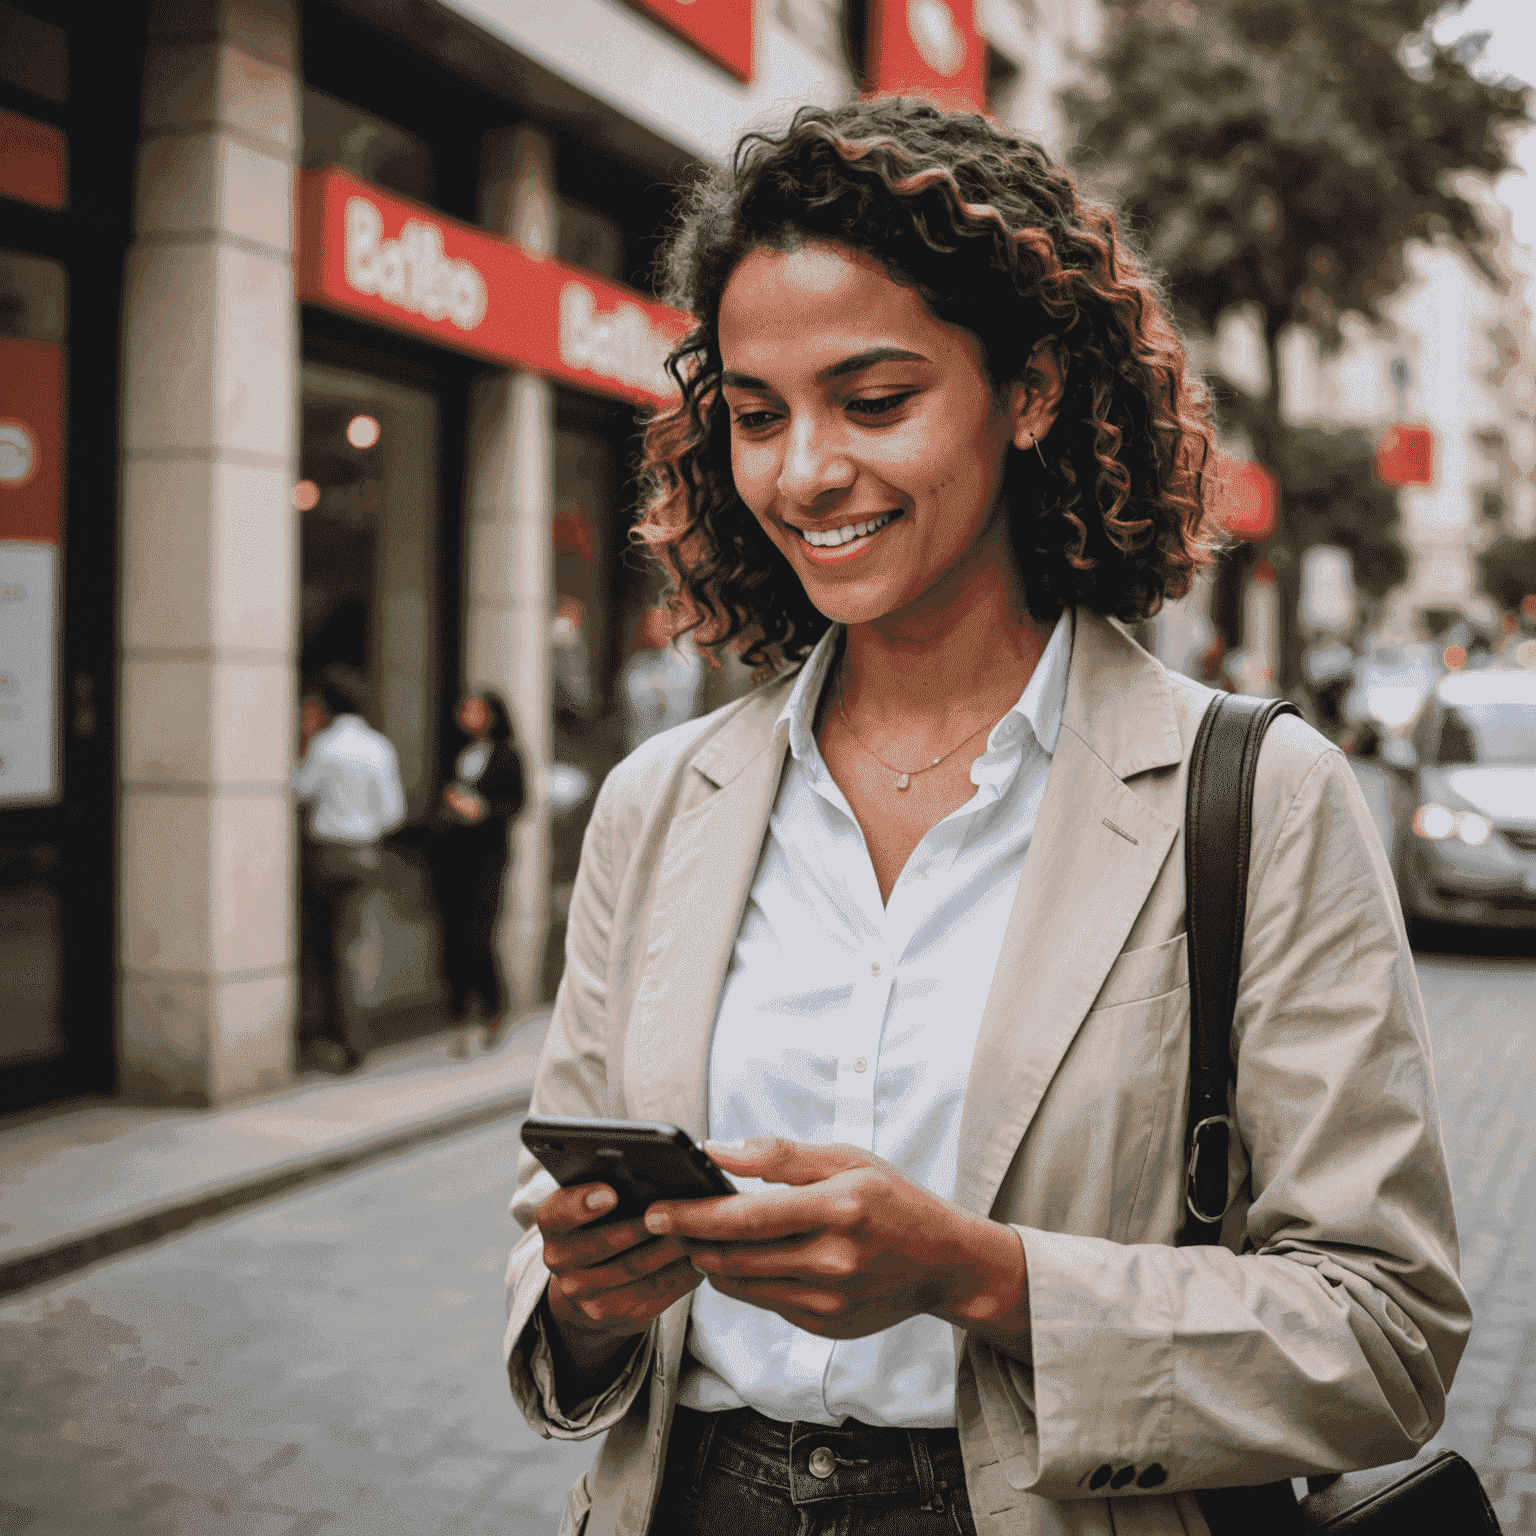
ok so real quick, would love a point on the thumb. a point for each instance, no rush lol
(777, 1160)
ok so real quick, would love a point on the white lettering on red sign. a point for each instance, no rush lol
(621, 344)
(413, 271)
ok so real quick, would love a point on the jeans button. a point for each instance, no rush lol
(823, 1462)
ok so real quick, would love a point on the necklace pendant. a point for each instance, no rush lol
(903, 781)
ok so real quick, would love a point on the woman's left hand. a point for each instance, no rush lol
(850, 1247)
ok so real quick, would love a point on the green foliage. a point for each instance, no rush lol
(1280, 152)
(1332, 495)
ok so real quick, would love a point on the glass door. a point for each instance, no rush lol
(368, 504)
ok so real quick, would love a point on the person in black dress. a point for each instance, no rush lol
(471, 854)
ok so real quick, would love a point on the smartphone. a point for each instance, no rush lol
(640, 1160)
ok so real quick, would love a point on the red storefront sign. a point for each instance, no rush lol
(34, 161)
(369, 253)
(31, 440)
(1251, 500)
(928, 48)
(720, 29)
(1405, 456)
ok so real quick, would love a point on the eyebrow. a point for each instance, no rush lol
(866, 359)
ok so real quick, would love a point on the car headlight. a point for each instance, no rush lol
(1439, 822)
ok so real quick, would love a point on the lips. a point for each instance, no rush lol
(832, 538)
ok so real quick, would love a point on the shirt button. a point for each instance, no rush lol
(823, 1463)
(859, 1064)
(874, 967)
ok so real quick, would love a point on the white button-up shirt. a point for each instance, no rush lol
(351, 777)
(847, 1019)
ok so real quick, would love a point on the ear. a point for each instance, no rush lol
(1035, 399)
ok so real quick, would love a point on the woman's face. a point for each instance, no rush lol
(474, 716)
(864, 436)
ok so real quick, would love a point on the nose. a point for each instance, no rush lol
(814, 464)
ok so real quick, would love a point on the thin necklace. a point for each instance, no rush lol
(904, 776)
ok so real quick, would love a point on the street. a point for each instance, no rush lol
(329, 1363)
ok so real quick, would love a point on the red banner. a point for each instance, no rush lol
(720, 29)
(1251, 495)
(928, 48)
(34, 161)
(31, 440)
(369, 253)
(1405, 456)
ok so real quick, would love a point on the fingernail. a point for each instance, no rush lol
(657, 1221)
(726, 1146)
(599, 1199)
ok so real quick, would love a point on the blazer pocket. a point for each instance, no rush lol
(1140, 974)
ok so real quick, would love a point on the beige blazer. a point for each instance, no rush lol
(1323, 1336)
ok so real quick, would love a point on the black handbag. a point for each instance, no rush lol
(1433, 1494)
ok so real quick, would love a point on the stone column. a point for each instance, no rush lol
(210, 560)
(509, 575)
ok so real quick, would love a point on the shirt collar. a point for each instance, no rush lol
(1039, 707)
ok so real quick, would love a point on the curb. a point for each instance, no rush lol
(31, 1269)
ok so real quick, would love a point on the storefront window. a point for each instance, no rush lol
(33, 306)
(368, 506)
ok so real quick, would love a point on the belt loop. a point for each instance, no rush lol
(931, 1501)
(701, 1456)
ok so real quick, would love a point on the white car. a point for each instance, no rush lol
(1466, 843)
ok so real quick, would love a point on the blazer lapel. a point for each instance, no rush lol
(1096, 851)
(705, 874)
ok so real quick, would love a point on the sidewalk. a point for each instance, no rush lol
(84, 1181)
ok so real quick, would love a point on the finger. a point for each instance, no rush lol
(824, 1257)
(584, 1247)
(567, 1209)
(635, 1303)
(769, 1216)
(636, 1264)
(777, 1160)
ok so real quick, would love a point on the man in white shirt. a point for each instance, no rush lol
(661, 682)
(349, 783)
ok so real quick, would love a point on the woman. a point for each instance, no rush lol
(902, 933)
(470, 857)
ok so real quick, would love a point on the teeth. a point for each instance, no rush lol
(830, 538)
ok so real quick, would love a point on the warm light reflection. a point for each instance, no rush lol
(306, 495)
(363, 431)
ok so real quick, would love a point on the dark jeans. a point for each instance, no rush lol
(740, 1474)
(336, 878)
(468, 872)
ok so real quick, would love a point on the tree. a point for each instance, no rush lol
(1281, 154)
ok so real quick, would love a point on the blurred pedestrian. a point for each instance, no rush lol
(661, 682)
(471, 852)
(349, 784)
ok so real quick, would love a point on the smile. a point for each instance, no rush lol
(830, 538)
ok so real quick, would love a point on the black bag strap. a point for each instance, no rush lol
(1218, 829)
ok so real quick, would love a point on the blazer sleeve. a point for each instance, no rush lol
(1324, 1335)
(572, 1079)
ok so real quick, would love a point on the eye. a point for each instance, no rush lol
(879, 405)
(754, 421)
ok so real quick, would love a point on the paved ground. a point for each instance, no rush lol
(327, 1365)
(1483, 1013)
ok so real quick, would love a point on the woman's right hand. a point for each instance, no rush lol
(606, 1282)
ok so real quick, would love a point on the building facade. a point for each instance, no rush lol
(325, 327)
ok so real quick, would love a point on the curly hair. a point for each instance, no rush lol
(994, 238)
